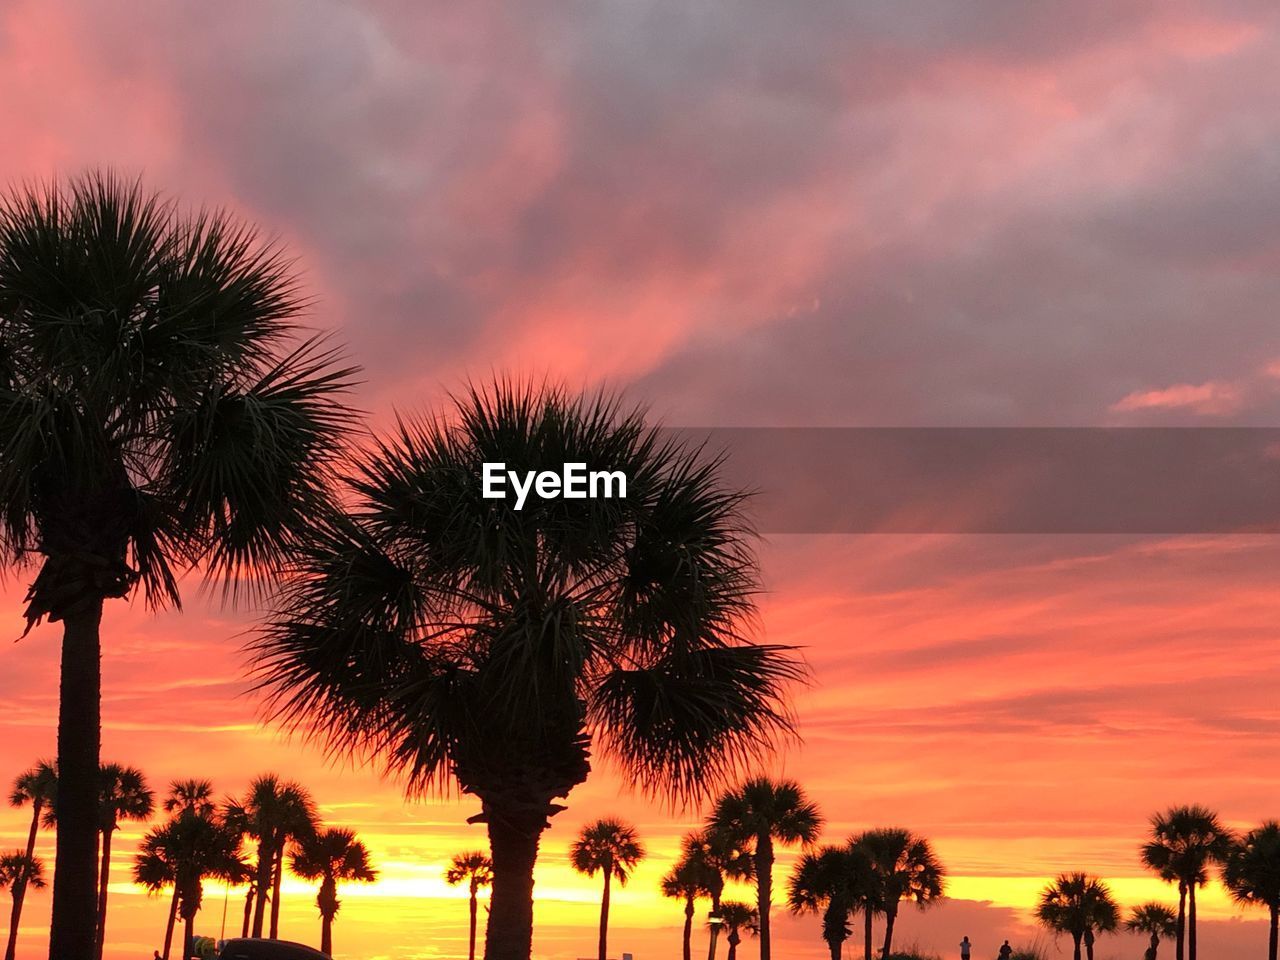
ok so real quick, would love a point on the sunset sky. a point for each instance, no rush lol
(828, 213)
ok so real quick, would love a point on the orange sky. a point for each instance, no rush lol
(747, 214)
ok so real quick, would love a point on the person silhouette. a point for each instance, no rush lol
(965, 948)
(1006, 951)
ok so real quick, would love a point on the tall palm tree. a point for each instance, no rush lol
(38, 787)
(19, 870)
(1185, 842)
(737, 919)
(612, 848)
(687, 881)
(476, 870)
(831, 883)
(331, 856)
(458, 637)
(722, 859)
(1081, 906)
(155, 413)
(123, 795)
(273, 812)
(192, 848)
(759, 814)
(1156, 921)
(1252, 874)
(904, 867)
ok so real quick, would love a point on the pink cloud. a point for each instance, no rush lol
(1213, 398)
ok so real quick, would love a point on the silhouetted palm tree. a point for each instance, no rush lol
(1185, 842)
(1081, 906)
(687, 881)
(16, 868)
(459, 637)
(759, 814)
(610, 847)
(193, 795)
(904, 867)
(831, 883)
(154, 415)
(189, 849)
(1252, 874)
(737, 919)
(1157, 921)
(38, 787)
(476, 870)
(722, 859)
(330, 856)
(123, 795)
(273, 812)
(157, 874)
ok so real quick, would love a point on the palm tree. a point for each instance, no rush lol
(329, 856)
(154, 414)
(476, 869)
(38, 787)
(123, 795)
(737, 919)
(687, 881)
(1156, 920)
(722, 859)
(191, 795)
(1081, 906)
(610, 847)
(904, 867)
(19, 870)
(190, 848)
(831, 883)
(459, 638)
(759, 814)
(1252, 874)
(150, 870)
(273, 812)
(1185, 842)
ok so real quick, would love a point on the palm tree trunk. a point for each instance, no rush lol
(328, 910)
(734, 940)
(20, 886)
(764, 889)
(890, 915)
(866, 931)
(277, 878)
(1191, 921)
(1180, 947)
(72, 930)
(103, 878)
(1275, 932)
(262, 883)
(326, 935)
(249, 898)
(604, 914)
(471, 952)
(168, 929)
(1088, 944)
(513, 843)
(834, 946)
(688, 929)
(1076, 953)
(188, 937)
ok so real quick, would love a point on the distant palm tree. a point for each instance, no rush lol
(1157, 921)
(38, 787)
(687, 881)
(612, 848)
(459, 638)
(737, 919)
(476, 870)
(273, 812)
(1081, 906)
(330, 856)
(1252, 874)
(722, 859)
(831, 882)
(762, 813)
(157, 414)
(904, 867)
(195, 796)
(123, 795)
(17, 869)
(190, 848)
(1185, 842)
